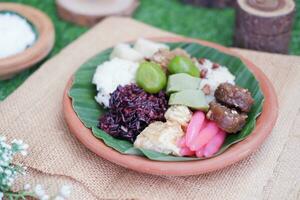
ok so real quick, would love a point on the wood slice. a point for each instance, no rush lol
(274, 44)
(90, 12)
(264, 27)
(211, 3)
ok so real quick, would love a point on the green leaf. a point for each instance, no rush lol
(121, 146)
(89, 111)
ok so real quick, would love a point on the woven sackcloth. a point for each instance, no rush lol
(34, 114)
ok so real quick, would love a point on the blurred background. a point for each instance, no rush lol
(216, 25)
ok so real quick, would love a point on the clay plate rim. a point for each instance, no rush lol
(235, 153)
(40, 49)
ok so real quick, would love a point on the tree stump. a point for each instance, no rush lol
(89, 12)
(264, 25)
(211, 3)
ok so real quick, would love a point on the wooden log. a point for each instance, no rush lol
(273, 44)
(90, 12)
(211, 3)
(264, 25)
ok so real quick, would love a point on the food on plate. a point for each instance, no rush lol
(148, 48)
(182, 81)
(230, 112)
(212, 75)
(214, 144)
(111, 74)
(131, 111)
(179, 114)
(168, 101)
(194, 127)
(151, 77)
(125, 51)
(164, 56)
(199, 153)
(234, 96)
(184, 151)
(227, 119)
(204, 136)
(181, 64)
(192, 98)
(16, 34)
(161, 137)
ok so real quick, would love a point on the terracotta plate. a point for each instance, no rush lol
(235, 153)
(40, 49)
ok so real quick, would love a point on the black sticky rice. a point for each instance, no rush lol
(132, 110)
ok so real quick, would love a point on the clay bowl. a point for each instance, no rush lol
(39, 50)
(235, 153)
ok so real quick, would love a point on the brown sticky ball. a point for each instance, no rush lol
(234, 96)
(131, 111)
(227, 119)
(215, 66)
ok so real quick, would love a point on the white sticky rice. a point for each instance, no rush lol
(124, 51)
(110, 75)
(148, 48)
(214, 77)
(16, 34)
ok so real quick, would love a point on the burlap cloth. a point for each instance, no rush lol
(34, 113)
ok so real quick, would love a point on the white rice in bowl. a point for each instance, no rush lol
(16, 34)
(109, 75)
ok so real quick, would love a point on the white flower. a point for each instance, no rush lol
(24, 153)
(25, 146)
(8, 172)
(59, 198)
(39, 190)
(5, 157)
(45, 197)
(27, 187)
(18, 142)
(3, 163)
(65, 191)
(2, 138)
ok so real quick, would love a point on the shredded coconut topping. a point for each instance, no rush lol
(16, 34)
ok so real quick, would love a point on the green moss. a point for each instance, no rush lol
(209, 24)
(295, 42)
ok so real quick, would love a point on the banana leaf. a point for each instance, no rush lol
(89, 111)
